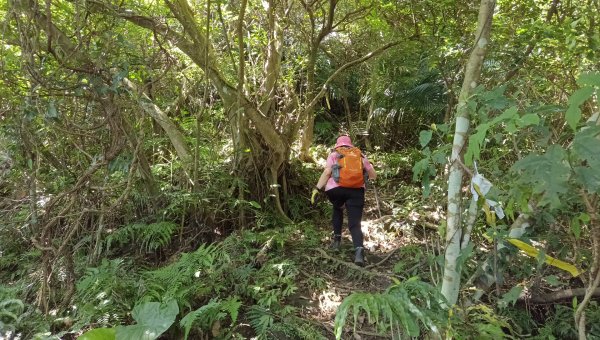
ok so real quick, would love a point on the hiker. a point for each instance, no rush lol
(343, 180)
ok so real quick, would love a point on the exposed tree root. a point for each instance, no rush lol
(353, 266)
(382, 261)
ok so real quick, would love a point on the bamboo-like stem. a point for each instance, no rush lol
(451, 278)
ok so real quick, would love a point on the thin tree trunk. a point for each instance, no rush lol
(238, 119)
(454, 234)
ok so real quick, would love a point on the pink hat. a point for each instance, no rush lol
(343, 141)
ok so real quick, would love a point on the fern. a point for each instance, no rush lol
(194, 273)
(105, 299)
(157, 235)
(261, 320)
(211, 312)
(400, 309)
(150, 237)
(11, 311)
(481, 322)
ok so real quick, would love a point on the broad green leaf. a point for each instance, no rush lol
(153, 319)
(510, 297)
(553, 280)
(496, 98)
(508, 114)
(588, 177)
(419, 168)
(573, 116)
(439, 156)
(511, 127)
(98, 334)
(442, 127)
(547, 174)
(425, 137)
(587, 146)
(589, 79)
(528, 119)
(475, 144)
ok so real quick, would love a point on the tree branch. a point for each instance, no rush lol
(345, 67)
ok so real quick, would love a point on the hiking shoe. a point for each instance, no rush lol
(337, 242)
(359, 256)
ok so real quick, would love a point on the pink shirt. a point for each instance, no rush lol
(331, 160)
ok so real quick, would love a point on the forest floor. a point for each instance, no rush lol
(396, 249)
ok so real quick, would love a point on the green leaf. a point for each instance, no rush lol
(51, 112)
(496, 98)
(510, 297)
(585, 218)
(153, 319)
(511, 127)
(442, 127)
(553, 280)
(587, 146)
(508, 114)
(255, 204)
(528, 119)
(573, 116)
(475, 144)
(588, 177)
(547, 174)
(425, 137)
(419, 168)
(589, 79)
(98, 334)
(439, 156)
(575, 227)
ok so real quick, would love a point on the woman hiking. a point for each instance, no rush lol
(343, 180)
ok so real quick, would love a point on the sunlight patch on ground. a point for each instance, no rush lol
(383, 233)
(329, 300)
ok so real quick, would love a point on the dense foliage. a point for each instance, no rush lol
(156, 160)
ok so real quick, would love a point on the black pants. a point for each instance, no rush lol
(354, 200)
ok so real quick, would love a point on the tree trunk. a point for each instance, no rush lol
(454, 232)
(165, 123)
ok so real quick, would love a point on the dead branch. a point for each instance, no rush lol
(556, 296)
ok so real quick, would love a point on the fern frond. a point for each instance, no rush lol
(157, 235)
(190, 274)
(211, 312)
(149, 237)
(260, 319)
(402, 306)
(207, 314)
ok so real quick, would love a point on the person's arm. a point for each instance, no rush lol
(372, 174)
(323, 179)
(370, 169)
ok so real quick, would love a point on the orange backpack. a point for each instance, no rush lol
(349, 171)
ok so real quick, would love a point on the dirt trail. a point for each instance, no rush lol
(327, 276)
